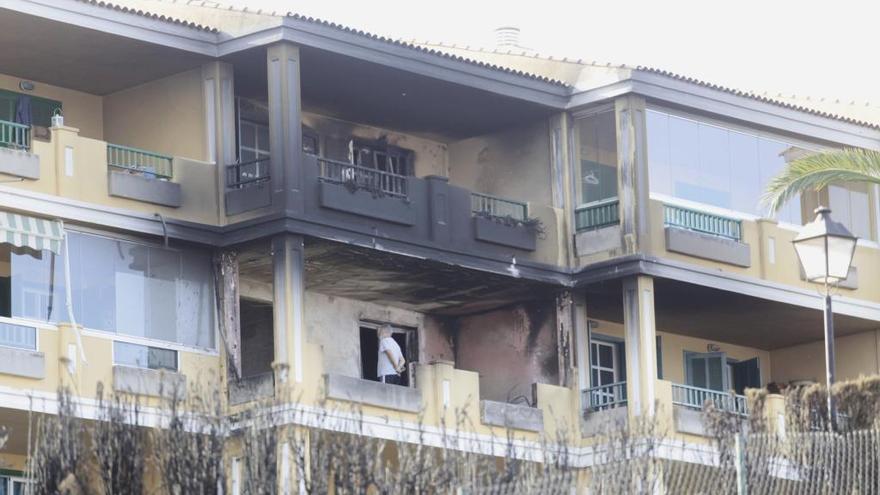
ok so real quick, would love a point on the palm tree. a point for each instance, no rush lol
(816, 171)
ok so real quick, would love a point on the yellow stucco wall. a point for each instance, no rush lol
(82, 110)
(164, 116)
(856, 355)
(673, 347)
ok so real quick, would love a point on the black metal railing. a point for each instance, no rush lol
(248, 173)
(370, 179)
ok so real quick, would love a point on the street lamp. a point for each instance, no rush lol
(825, 249)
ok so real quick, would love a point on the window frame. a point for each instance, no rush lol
(148, 347)
(147, 341)
(412, 347)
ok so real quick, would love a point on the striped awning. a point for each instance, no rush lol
(31, 232)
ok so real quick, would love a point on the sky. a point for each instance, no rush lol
(820, 49)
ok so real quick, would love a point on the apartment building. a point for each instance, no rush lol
(194, 195)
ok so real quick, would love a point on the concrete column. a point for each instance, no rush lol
(218, 89)
(438, 208)
(562, 180)
(581, 342)
(288, 300)
(285, 126)
(564, 338)
(632, 170)
(640, 340)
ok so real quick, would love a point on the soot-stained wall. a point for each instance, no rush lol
(511, 348)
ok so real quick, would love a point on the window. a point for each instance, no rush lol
(257, 337)
(715, 371)
(603, 363)
(714, 165)
(12, 485)
(141, 290)
(142, 356)
(597, 158)
(20, 336)
(42, 109)
(31, 284)
(851, 206)
(253, 141)
(406, 338)
(382, 157)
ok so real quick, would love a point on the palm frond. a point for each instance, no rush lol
(817, 171)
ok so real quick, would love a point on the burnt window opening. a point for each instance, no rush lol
(406, 338)
(382, 157)
(257, 338)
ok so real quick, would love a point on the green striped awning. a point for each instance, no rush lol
(31, 232)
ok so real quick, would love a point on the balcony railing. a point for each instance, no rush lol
(14, 135)
(597, 215)
(370, 179)
(705, 223)
(604, 397)
(20, 336)
(245, 174)
(143, 162)
(696, 398)
(483, 204)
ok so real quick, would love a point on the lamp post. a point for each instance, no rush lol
(825, 249)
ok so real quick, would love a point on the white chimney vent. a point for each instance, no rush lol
(507, 37)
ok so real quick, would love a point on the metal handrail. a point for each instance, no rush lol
(145, 162)
(498, 207)
(594, 216)
(14, 135)
(604, 396)
(696, 397)
(387, 183)
(700, 221)
(242, 174)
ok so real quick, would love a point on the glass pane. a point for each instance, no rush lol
(36, 284)
(658, 152)
(594, 358)
(594, 380)
(697, 372)
(263, 138)
(606, 356)
(597, 157)
(18, 336)
(772, 162)
(746, 185)
(18, 488)
(4, 485)
(606, 377)
(714, 171)
(716, 373)
(248, 135)
(144, 291)
(143, 356)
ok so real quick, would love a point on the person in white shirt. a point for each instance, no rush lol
(391, 362)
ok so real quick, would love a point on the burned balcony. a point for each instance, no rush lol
(365, 191)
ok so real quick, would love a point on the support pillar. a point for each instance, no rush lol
(285, 126)
(227, 290)
(640, 340)
(632, 170)
(218, 89)
(582, 342)
(287, 310)
(564, 338)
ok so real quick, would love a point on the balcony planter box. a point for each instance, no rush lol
(24, 363)
(511, 416)
(366, 204)
(498, 232)
(708, 247)
(248, 198)
(252, 388)
(368, 392)
(143, 188)
(153, 383)
(19, 163)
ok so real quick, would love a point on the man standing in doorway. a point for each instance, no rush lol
(391, 362)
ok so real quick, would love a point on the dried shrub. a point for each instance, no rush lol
(56, 464)
(189, 448)
(119, 445)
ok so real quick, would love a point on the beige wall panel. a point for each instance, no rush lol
(165, 116)
(81, 110)
(856, 355)
(512, 164)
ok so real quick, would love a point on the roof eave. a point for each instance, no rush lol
(733, 105)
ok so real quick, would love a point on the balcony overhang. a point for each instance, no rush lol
(76, 57)
(720, 306)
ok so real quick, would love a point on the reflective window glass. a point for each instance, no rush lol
(597, 157)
